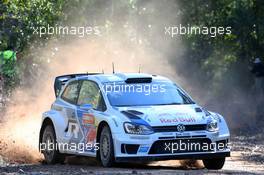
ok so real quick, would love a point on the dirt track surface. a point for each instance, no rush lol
(234, 165)
(247, 158)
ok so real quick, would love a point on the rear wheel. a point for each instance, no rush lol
(214, 164)
(49, 146)
(106, 147)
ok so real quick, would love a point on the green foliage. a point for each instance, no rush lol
(8, 67)
(216, 61)
(218, 57)
(9, 72)
(19, 17)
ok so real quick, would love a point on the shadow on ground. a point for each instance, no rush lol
(90, 166)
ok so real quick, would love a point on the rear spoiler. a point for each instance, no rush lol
(60, 81)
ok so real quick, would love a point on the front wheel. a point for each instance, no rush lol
(214, 164)
(106, 147)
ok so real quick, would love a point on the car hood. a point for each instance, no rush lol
(165, 115)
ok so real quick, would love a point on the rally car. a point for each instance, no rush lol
(126, 117)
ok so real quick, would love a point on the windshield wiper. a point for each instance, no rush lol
(123, 105)
(170, 104)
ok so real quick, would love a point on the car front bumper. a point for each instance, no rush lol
(147, 149)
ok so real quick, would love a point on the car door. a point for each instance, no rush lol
(72, 135)
(90, 106)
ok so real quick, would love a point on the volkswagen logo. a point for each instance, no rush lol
(180, 128)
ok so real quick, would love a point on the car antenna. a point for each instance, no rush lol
(139, 69)
(113, 67)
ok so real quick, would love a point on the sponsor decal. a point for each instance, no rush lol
(171, 114)
(91, 135)
(175, 118)
(88, 119)
(89, 128)
(178, 119)
(73, 130)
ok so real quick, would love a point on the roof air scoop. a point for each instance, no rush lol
(139, 80)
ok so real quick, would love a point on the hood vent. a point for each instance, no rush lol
(198, 110)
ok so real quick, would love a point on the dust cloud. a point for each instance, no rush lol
(20, 128)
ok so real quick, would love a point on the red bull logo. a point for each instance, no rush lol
(178, 120)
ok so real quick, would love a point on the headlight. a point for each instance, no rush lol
(212, 125)
(131, 128)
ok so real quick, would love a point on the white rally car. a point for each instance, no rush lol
(124, 117)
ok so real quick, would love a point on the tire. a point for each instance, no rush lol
(214, 164)
(106, 148)
(51, 155)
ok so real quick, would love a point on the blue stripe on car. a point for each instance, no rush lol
(135, 118)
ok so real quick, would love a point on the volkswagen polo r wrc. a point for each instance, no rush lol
(126, 117)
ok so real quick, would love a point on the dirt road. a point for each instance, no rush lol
(247, 158)
(234, 165)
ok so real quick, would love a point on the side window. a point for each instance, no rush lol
(70, 93)
(90, 94)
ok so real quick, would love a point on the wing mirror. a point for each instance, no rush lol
(86, 107)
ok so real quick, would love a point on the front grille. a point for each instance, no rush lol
(174, 128)
(181, 146)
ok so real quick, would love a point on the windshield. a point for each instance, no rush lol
(145, 94)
